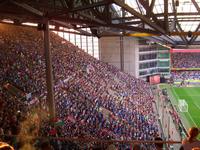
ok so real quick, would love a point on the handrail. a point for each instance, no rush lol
(89, 140)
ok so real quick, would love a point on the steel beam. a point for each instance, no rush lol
(67, 25)
(85, 7)
(151, 5)
(139, 7)
(194, 37)
(135, 13)
(80, 8)
(28, 8)
(118, 26)
(183, 33)
(3, 2)
(49, 72)
(160, 15)
(59, 30)
(166, 15)
(177, 23)
(196, 5)
(149, 13)
(121, 53)
(185, 20)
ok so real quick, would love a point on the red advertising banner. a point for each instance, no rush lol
(185, 51)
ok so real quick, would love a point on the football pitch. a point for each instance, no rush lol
(191, 95)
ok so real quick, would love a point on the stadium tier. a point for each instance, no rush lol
(187, 75)
(93, 98)
(185, 60)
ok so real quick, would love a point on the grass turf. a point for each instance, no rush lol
(192, 96)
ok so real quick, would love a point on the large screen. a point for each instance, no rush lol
(155, 79)
(185, 59)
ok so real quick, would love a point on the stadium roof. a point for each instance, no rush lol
(175, 22)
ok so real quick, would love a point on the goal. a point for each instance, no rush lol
(183, 106)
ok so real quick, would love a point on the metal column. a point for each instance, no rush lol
(122, 53)
(122, 43)
(49, 73)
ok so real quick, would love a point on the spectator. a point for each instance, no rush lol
(46, 146)
(196, 148)
(5, 146)
(159, 146)
(191, 141)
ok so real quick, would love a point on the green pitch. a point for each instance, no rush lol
(192, 97)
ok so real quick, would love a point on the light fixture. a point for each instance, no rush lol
(189, 34)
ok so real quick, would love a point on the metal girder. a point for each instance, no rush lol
(166, 15)
(179, 27)
(28, 8)
(131, 28)
(49, 72)
(107, 13)
(80, 8)
(151, 5)
(59, 30)
(194, 37)
(158, 39)
(3, 2)
(160, 15)
(91, 17)
(64, 4)
(70, 3)
(135, 13)
(139, 22)
(168, 39)
(194, 43)
(67, 25)
(93, 22)
(149, 13)
(98, 14)
(184, 33)
(139, 7)
(71, 32)
(196, 5)
(183, 37)
(97, 4)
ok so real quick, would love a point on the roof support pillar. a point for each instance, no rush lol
(49, 73)
(122, 53)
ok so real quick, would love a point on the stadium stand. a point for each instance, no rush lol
(93, 99)
(193, 75)
(185, 60)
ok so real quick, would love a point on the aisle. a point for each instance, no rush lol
(168, 127)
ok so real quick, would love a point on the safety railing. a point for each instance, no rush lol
(83, 143)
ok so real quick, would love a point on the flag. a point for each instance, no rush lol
(60, 123)
(53, 131)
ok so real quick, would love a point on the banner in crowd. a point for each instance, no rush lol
(185, 51)
(185, 69)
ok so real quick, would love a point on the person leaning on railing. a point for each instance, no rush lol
(191, 141)
(196, 148)
(5, 146)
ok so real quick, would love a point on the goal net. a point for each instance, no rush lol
(183, 106)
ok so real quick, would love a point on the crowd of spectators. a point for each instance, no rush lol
(93, 99)
(184, 75)
(185, 60)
